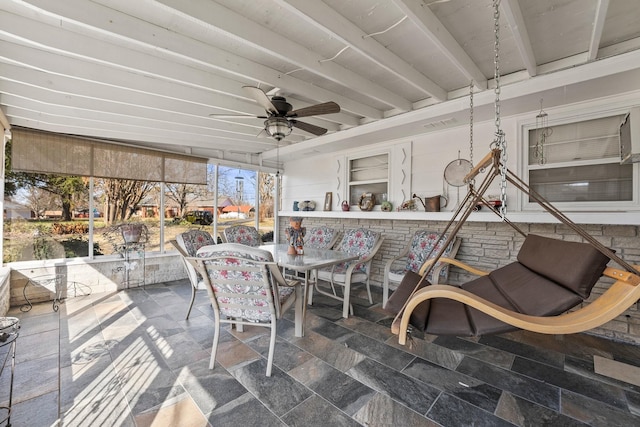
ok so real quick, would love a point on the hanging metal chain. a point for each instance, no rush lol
(499, 142)
(471, 123)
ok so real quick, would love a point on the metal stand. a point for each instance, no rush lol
(54, 283)
(9, 330)
(134, 259)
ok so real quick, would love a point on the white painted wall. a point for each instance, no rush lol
(312, 177)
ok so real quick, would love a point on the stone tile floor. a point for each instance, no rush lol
(131, 359)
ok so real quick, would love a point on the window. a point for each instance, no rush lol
(369, 175)
(245, 197)
(579, 163)
(56, 214)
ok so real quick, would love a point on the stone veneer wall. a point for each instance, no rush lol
(5, 291)
(492, 245)
(100, 275)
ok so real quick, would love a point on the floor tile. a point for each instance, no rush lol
(182, 412)
(426, 350)
(232, 352)
(147, 387)
(35, 346)
(83, 383)
(378, 351)
(595, 413)
(209, 388)
(382, 410)
(451, 411)
(32, 324)
(367, 328)
(130, 358)
(402, 388)
(523, 413)
(246, 411)
(286, 355)
(339, 389)
(477, 351)
(32, 378)
(331, 330)
(569, 381)
(528, 351)
(517, 384)
(317, 412)
(454, 383)
(182, 350)
(279, 393)
(334, 353)
(40, 411)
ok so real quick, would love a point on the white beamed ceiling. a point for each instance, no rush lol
(152, 72)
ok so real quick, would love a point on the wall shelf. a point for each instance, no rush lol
(613, 218)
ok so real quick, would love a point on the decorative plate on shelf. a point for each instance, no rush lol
(367, 201)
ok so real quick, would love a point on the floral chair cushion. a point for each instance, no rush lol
(242, 234)
(358, 242)
(190, 241)
(245, 286)
(422, 244)
(193, 240)
(320, 237)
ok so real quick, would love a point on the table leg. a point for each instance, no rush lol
(304, 299)
(300, 309)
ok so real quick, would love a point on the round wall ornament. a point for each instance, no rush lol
(367, 201)
(386, 206)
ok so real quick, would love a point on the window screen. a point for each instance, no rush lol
(51, 153)
(580, 163)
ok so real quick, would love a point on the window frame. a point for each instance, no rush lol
(163, 202)
(588, 206)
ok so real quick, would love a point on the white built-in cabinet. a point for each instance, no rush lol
(385, 173)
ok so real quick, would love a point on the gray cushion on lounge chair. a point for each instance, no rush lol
(576, 266)
(550, 277)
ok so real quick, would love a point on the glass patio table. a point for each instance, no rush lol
(312, 259)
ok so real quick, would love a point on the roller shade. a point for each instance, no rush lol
(46, 152)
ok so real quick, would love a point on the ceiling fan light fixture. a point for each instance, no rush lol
(277, 127)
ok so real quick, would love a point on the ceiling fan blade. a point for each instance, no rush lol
(261, 98)
(316, 110)
(316, 130)
(235, 116)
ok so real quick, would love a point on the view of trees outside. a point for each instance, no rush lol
(47, 216)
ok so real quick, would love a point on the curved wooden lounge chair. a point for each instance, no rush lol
(616, 300)
(530, 294)
(534, 293)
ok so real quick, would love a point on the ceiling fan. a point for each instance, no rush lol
(281, 117)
